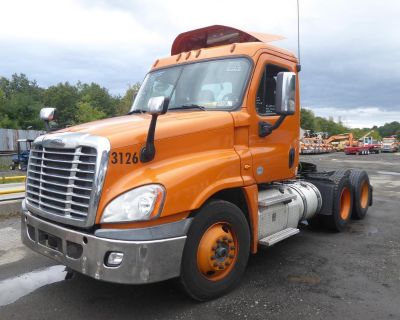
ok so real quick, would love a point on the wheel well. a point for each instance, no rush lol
(235, 196)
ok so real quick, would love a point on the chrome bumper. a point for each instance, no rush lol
(143, 261)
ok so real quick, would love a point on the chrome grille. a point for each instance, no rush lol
(60, 180)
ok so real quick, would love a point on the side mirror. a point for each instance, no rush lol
(285, 96)
(158, 105)
(47, 114)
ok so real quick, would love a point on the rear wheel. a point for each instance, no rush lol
(361, 193)
(342, 202)
(216, 251)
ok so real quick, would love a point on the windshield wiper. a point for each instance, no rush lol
(189, 106)
(136, 111)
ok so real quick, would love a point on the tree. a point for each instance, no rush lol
(64, 97)
(87, 113)
(307, 119)
(98, 97)
(20, 102)
(390, 129)
(126, 101)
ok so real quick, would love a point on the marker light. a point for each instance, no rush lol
(143, 203)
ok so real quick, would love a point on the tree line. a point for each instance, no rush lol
(21, 100)
(318, 124)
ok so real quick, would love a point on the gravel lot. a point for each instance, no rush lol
(313, 275)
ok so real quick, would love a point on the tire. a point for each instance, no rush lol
(361, 193)
(342, 202)
(219, 225)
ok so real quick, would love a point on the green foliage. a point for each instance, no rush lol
(22, 99)
(126, 101)
(98, 97)
(64, 97)
(309, 121)
(87, 113)
(390, 129)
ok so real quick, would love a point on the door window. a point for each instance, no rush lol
(265, 99)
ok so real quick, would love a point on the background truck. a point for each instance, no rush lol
(390, 144)
(366, 145)
(203, 170)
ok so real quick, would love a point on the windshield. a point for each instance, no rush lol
(388, 140)
(212, 85)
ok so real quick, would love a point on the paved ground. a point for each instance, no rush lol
(314, 275)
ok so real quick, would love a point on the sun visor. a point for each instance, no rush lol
(217, 35)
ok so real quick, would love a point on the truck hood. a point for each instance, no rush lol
(132, 129)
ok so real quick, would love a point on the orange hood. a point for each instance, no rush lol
(132, 129)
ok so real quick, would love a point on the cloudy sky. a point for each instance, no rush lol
(350, 50)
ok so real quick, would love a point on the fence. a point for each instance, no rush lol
(9, 137)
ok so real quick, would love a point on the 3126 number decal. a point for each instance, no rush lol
(124, 158)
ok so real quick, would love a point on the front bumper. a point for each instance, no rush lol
(143, 261)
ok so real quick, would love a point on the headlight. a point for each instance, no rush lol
(143, 203)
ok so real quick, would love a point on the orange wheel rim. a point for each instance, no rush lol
(345, 201)
(217, 251)
(364, 194)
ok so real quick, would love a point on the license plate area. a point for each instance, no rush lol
(50, 241)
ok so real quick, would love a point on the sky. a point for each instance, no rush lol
(350, 50)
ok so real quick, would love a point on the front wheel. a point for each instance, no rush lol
(216, 251)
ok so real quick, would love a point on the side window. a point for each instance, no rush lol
(265, 99)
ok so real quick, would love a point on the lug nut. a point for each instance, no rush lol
(215, 264)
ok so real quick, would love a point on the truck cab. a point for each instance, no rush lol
(202, 171)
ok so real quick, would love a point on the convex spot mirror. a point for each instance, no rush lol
(285, 96)
(158, 105)
(47, 114)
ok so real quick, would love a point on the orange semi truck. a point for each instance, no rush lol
(202, 171)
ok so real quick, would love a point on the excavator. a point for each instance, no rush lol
(340, 141)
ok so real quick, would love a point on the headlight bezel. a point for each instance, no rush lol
(112, 211)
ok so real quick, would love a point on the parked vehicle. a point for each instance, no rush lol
(202, 171)
(20, 160)
(340, 141)
(366, 145)
(390, 144)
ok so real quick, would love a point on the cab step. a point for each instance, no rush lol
(279, 236)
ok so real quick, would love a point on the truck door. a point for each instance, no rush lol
(275, 157)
